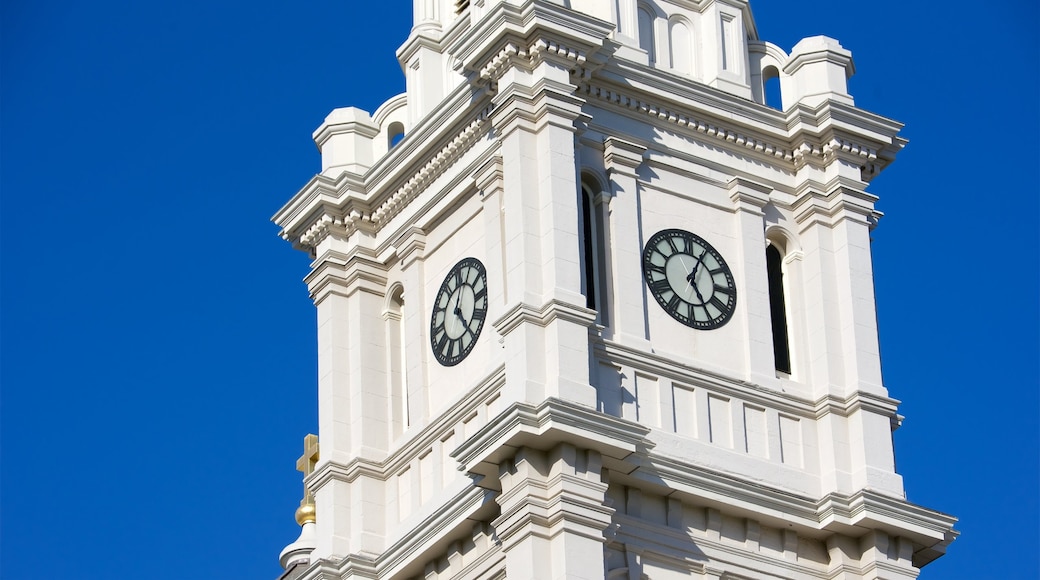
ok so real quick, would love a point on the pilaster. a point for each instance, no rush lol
(749, 200)
(726, 66)
(622, 160)
(422, 58)
(411, 252)
(844, 357)
(545, 321)
(348, 288)
(553, 514)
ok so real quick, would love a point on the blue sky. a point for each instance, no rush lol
(158, 346)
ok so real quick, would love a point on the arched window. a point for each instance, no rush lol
(646, 32)
(394, 133)
(396, 361)
(593, 284)
(771, 88)
(778, 310)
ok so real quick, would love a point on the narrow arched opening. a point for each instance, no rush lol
(592, 249)
(771, 88)
(394, 134)
(778, 310)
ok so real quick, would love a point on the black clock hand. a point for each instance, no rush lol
(698, 291)
(692, 277)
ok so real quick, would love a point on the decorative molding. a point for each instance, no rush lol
(522, 312)
(654, 364)
(802, 152)
(611, 436)
(459, 508)
(343, 206)
(687, 121)
(345, 273)
(834, 512)
(433, 168)
(421, 442)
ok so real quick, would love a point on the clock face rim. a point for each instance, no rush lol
(721, 281)
(467, 294)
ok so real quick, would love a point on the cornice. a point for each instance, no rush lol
(342, 205)
(317, 202)
(345, 273)
(806, 135)
(687, 373)
(855, 402)
(522, 312)
(534, 425)
(748, 196)
(432, 169)
(433, 527)
(833, 513)
(671, 545)
(526, 33)
(428, 36)
(787, 403)
(621, 156)
(340, 568)
(831, 203)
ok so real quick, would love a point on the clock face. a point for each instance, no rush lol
(689, 279)
(459, 312)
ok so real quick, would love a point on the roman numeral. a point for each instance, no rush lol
(724, 289)
(717, 304)
(673, 304)
(655, 268)
(661, 286)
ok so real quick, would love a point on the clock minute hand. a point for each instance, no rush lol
(692, 277)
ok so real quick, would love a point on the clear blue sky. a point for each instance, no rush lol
(158, 345)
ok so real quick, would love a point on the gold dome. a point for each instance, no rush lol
(305, 513)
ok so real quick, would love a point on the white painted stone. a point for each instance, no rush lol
(575, 443)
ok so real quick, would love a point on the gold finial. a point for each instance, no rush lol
(306, 463)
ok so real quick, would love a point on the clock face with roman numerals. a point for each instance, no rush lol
(459, 312)
(689, 279)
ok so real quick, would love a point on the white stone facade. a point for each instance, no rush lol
(600, 438)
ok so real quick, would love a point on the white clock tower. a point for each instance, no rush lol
(588, 308)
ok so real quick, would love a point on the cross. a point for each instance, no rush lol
(308, 460)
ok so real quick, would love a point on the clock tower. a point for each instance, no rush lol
(588, 307)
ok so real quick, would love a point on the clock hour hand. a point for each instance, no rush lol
(458, 310)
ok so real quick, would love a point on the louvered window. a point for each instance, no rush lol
(461, 6)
